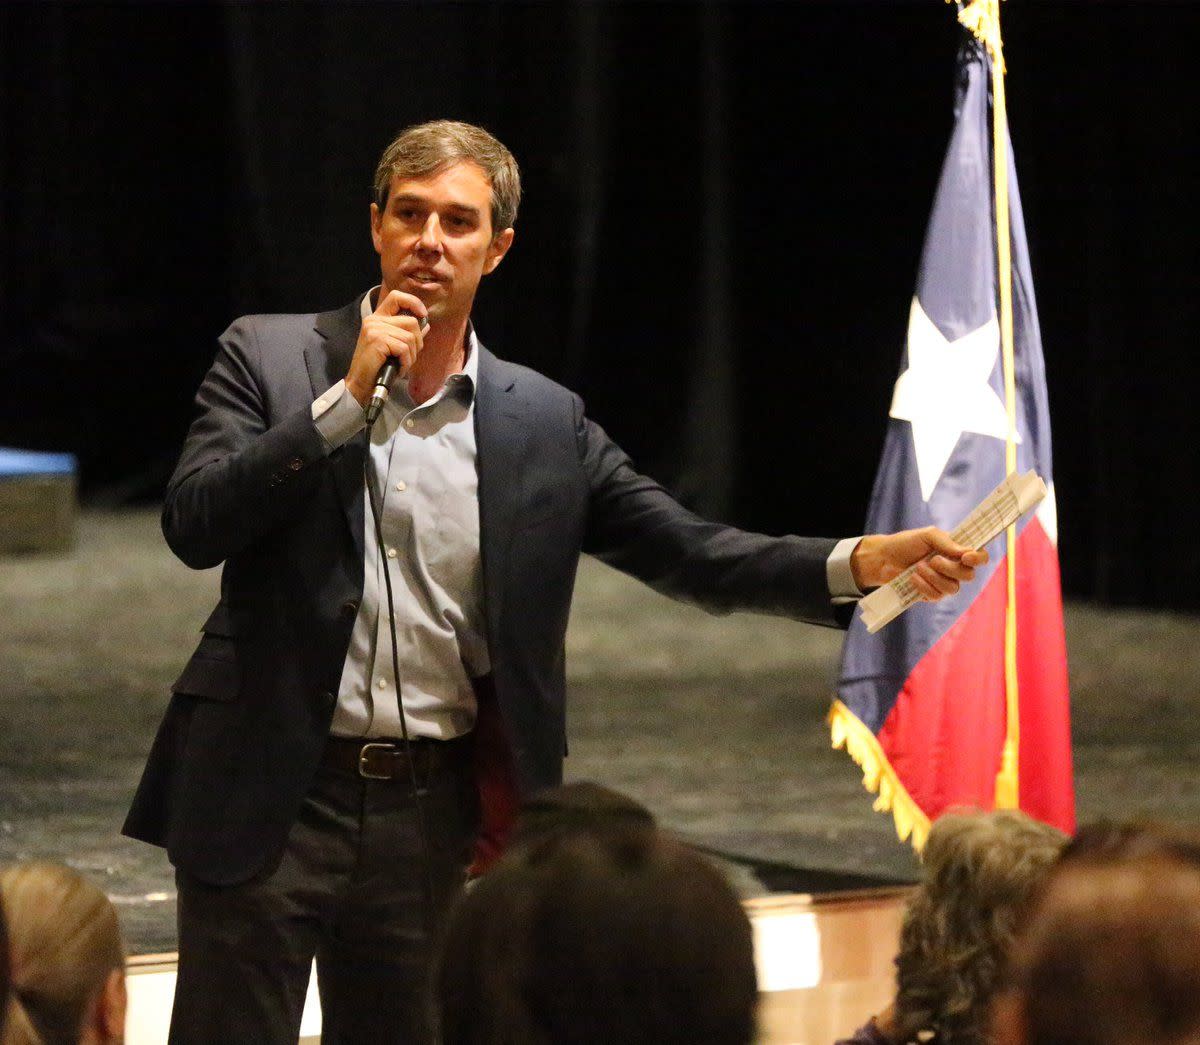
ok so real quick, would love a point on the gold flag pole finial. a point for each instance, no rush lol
(982, 18)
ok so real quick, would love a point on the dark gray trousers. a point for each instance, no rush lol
(347, 889)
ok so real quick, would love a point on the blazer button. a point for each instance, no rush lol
(295, 464)
(349, 608)
(329, 698)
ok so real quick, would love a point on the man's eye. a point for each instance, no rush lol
(457, 221)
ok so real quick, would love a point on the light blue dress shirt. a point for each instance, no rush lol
(423, 461)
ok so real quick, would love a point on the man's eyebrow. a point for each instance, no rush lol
(412, 197)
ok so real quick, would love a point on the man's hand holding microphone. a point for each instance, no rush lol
(389, 342)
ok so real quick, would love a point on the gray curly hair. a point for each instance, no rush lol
(979, 870)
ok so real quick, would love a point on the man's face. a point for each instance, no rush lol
(434, 238)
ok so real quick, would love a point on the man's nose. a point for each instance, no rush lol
(431, 235)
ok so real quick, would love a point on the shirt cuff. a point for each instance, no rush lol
(338, 416)
(838, 574)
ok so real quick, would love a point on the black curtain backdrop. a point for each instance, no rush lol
(724, 209)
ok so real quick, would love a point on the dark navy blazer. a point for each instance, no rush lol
(256, 489)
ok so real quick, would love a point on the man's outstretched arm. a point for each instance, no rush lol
(636, 526)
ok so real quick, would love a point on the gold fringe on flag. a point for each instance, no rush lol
(848, 732)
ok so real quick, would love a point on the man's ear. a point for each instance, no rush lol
(376, 224)
(497, 249)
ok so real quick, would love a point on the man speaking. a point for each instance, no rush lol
(299, 819)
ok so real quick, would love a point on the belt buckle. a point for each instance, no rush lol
(363, 771)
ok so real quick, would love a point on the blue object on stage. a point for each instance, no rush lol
(18, 463)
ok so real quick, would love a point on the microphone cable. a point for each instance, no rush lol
(415, 790)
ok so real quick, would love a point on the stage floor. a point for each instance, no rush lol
(716, 723)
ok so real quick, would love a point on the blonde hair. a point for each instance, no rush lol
(65, 942)
(429, 148)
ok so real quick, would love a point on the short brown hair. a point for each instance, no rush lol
(577, 807)
(1110, 951)
(429, 148)
(596, 936)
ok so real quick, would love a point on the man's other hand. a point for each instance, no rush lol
(393, 329)
(944, 565)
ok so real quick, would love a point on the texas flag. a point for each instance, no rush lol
(921, 705)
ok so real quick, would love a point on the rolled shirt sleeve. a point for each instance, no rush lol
(338, 416)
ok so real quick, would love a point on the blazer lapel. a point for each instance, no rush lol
(328, 360)
(501, 434)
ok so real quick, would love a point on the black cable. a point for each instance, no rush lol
(422, 828)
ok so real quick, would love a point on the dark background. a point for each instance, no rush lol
(724, 210)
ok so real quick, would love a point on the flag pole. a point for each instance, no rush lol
(982, 17)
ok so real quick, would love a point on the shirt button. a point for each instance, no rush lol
(401, 486)
(409, 422)
(391, 553)
(382, 683)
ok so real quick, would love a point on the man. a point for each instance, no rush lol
(278, 781)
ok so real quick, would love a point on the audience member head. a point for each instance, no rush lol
(978, 870)
(1104, 841)
(1110, 952)
(581, 806)
(67, 961)
(594, 937)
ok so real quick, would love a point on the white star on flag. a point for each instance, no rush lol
(945, 392)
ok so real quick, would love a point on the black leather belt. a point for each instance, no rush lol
(385, 758)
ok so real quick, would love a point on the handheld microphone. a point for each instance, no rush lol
(383, 383)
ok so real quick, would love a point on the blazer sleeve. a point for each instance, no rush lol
(242, 472)
(639, 528)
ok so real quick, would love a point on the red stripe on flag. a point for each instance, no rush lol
(1045, 776)
(945, 732)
